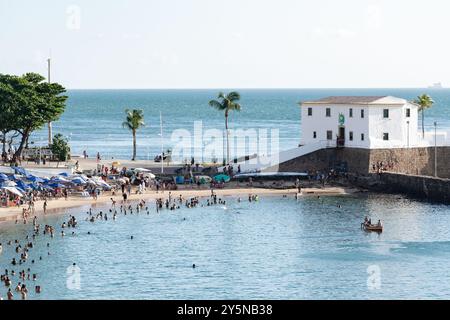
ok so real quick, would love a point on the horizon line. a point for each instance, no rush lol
(267, 88)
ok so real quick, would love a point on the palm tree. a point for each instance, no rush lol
(424, 102)
(134, 121)
(227, 103)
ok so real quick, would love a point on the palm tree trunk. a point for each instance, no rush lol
(228, 137)
(134, 145)
(423, 128)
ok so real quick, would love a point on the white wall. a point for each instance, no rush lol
(320, 123)
(373, 125)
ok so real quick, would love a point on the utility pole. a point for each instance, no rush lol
(162, 143)
(435, 150)
(50, 134)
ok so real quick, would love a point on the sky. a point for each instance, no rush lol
(228, 43)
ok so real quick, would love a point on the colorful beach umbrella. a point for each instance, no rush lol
(78, 180)
(35, 179)
(222, 178)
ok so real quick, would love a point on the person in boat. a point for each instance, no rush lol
(379, 223)
(369, 222)
(366, 220)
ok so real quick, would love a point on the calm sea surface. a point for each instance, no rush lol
(93, 118)
(277, 248)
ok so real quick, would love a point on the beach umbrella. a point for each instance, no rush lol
(13, 190)
(35, 179)
(149, 175)
(78, 180)
(64, 174)
(142, 170)
(3, 176)
(222, 177)
(58, 180)
(9, 184)
(204, 179)
(22, 185)
(21, 171)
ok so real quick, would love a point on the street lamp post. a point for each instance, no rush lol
(435, 150)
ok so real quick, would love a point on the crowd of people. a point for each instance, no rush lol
(20, 276)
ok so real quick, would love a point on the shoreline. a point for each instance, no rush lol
(57, 206)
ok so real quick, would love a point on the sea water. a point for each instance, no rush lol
(93, 118)
(275, 248)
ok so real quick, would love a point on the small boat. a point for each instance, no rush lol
(372, 227)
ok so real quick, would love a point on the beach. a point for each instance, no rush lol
(57, 206)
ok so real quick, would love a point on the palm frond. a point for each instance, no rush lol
(233, 96)
(217, 105)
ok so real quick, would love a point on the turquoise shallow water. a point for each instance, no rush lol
(277, 248)
(93, 117)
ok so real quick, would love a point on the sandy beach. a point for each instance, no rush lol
(57, 206)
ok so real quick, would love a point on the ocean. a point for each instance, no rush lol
(93, 118)
(275, 248)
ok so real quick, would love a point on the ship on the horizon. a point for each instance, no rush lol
(437, 85)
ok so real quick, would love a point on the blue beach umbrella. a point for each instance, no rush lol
(78, 180)
(3, 177)
(222, 178)
(58, 180)
(64, 174)
(56, 185)
(35, 179)
(21, 171)
(22, 185)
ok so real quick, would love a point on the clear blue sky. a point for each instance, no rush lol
(228, 43)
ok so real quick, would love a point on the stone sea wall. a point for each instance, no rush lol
(429, 188)
(411, 173)
(415, 161)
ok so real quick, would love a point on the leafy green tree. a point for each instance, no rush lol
(32, 103)
(9, 104)
(227, 103)
(424, 102)
(134, 121)
(60, 147)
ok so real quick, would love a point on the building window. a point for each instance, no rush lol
(329, 135)
(408, 112)
(350, 113)
(309, 111)
(350, 135)
(328, 112)
(362, 113)
(362, 136)
(314, 134)
(385, 113)
(385, 136)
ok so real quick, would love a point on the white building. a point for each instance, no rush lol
(360, 122)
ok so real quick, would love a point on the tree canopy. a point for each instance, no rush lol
(60, 147)
(28, 102)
